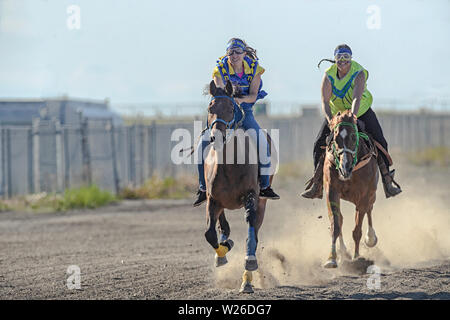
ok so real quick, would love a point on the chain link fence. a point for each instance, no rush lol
(49, 157)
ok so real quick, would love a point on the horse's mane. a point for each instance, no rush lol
(342, 117)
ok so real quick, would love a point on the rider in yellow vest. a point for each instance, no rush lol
(344, 87)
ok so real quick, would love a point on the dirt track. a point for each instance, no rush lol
(156, 250)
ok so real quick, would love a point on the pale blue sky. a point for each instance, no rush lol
(146, 52)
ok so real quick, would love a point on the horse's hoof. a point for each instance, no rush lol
(221, 261)
(331, 263)
(371, 241)
(371, 238)
(229, 243)
(246, 287)
(251, 264)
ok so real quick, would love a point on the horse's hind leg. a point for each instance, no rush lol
(252, 240)
(371, 238)
(247, 277)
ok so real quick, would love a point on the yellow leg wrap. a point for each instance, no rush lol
(247, 276)
(332, 255)
(222, 250)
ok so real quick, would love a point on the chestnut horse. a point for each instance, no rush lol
(231, 185)
(350, 173)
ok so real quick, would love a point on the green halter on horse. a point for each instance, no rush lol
(354, 153)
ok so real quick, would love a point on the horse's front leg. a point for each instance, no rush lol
(357, 232)
(213, 211)
(371, 237)
(224, 239)
(334, 213)
(247, 277)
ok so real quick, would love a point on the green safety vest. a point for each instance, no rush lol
(342, 96)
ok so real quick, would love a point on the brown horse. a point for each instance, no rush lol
(231, 184)
(350, 173)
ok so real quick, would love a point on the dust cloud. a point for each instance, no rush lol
(413, 229)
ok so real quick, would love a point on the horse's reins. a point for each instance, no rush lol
(228, 124)
(354, 153)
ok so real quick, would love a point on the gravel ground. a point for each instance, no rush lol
(156, 250)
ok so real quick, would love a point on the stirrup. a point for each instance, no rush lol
(392, 174)
(314, 191)
(309, 183)
(389, 189)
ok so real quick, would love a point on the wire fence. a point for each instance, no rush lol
(48, 157)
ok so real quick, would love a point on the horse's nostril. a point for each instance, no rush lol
(212, 138)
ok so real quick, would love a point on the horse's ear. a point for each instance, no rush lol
(212, 88)
(229, 88)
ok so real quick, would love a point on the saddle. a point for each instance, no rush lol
(371, 141)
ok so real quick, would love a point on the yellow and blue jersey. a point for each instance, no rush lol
(225, 70)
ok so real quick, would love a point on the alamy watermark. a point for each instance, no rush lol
(73, 21)
(243, 142)
(374, 19)
(74, 279)
(374, 281)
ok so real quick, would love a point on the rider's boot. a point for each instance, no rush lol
(388, 179)
(268, 193)
(314, 186)
(201, 197)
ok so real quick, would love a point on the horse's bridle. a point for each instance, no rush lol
(228, 124)
(354, 153)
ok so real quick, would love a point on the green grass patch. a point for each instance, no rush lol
(435, 156)
(4, 206)
(86, 197)
(162, 188)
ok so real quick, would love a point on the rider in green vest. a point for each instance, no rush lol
(344, 87)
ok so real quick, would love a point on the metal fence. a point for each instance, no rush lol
(48, 157)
